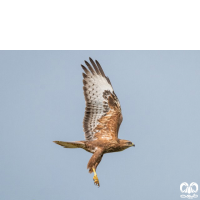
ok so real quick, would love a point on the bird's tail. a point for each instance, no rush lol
(77, 144)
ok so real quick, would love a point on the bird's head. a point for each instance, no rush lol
(126, 143)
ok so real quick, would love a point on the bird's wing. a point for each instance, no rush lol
(103, 111)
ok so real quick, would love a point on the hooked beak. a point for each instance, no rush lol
(133, 145)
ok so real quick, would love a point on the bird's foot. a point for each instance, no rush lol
(95, 178)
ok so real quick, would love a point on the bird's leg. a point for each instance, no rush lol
(95, 178)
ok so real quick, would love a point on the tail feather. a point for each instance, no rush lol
(77, 144)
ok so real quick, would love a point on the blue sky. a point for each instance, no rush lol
(42, 101)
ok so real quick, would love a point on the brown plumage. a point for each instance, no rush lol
(102, 118)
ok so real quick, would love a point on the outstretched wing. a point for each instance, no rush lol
(103, 112)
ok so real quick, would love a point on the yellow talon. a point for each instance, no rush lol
(95, 178)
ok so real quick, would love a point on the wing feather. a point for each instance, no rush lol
(90, 68)
(85, 69)
(100, 68)
(95, 67)
(103, 112)
(84, 75)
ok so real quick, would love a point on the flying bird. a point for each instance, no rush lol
(102, 118)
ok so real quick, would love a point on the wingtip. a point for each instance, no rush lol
(85, 62)
(90, 59)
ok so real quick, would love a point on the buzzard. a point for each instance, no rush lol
(102, 118)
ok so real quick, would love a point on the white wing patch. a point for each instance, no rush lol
(96, 88)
